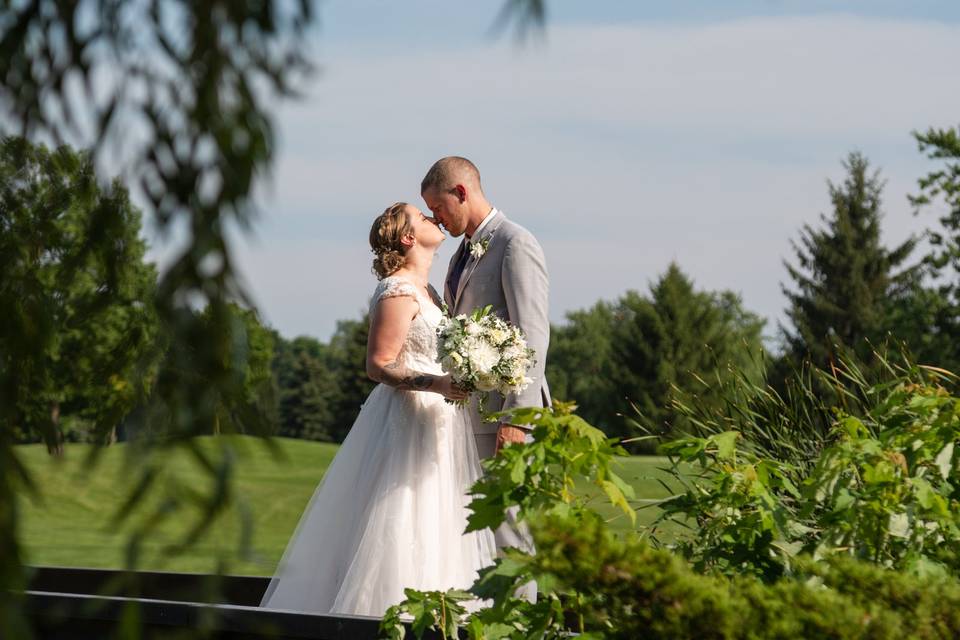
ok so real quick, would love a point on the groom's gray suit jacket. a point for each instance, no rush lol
(512, 277)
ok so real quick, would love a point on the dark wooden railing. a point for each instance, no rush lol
(88, 604)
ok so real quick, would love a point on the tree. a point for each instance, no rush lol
(72, 259)
(348, 362)
(241, 397)
(200, 81)
(253, 377)
(77, 314)
(642, 353)
(307, 389)
(579, 361)
(844, 277)
(942, 186)
(675, 339)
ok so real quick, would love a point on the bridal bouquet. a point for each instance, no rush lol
(484, 353)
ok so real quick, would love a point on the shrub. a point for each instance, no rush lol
(858, 542)
(883, 490)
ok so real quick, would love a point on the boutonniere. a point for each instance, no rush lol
(478, 248)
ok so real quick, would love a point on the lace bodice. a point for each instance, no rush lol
(420, 347)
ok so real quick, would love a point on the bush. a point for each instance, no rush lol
(882, 491)
(604, 585)
(855, 543)
(627, 589)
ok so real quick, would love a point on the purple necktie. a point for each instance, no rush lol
(457, 271)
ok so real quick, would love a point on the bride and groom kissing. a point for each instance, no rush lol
(390, 512)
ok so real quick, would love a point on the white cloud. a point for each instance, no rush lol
(620, 147)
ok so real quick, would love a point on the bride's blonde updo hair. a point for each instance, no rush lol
(385, 234)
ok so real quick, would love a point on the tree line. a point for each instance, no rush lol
(636, 360)
(633, 360)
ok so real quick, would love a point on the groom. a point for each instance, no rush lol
(499, 263)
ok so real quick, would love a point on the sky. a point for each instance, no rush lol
(631, 134)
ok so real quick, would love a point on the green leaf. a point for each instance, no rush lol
(625, 487)
(929, 498)
(617, 499)
(790, 487)
(726, 443)
(518, 470)
(493, 631)
(879, 473)
(789, 549)
(486, 512)
(843, 501)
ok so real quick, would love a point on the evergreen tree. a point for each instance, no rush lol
(644, 352)
(579, 362)
(673, 341)
(942, 304)
(307, 389)
(348, 363)
(844, 278)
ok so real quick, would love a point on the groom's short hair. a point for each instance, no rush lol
(449, 171)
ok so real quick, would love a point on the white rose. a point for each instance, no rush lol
(473, 329)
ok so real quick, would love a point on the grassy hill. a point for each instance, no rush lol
(71, 522)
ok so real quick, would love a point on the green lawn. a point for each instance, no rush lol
(70, 525)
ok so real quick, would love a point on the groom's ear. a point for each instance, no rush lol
(461, 193)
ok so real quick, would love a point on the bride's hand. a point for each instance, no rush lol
(449, 389)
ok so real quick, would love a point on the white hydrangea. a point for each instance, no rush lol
(483, 357)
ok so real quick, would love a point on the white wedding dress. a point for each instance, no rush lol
(391, 510)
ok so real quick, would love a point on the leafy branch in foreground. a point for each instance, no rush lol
(540, 479)
(774, 544)
(619, 587)
(176, 97)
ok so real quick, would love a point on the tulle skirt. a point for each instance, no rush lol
(389, 514)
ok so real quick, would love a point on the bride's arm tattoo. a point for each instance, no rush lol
(397, 375)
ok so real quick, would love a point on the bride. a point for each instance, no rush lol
(391, 509)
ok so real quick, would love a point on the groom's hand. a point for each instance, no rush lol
(508, 433)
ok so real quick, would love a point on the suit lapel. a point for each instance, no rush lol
(472, 261)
